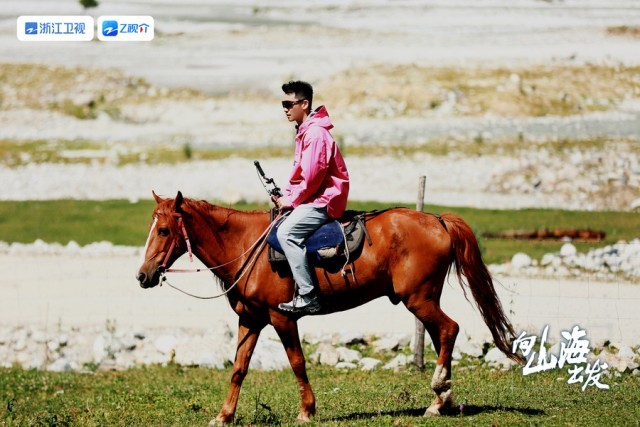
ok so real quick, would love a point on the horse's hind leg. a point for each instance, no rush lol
(443, 332)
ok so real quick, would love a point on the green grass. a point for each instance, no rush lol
(14, 153)
(125, 223)
(177, 396)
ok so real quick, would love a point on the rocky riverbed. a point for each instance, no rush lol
(611, 262)
(107, 348)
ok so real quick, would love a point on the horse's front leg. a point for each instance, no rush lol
(287, 330)
(248, 333)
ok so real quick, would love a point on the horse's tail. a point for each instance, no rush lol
(468, 262)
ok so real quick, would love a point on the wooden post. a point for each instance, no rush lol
(418, 350)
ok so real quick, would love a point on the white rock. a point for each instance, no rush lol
(20, 344)
(346, 365)
(398, 362)
(350, 338)
(199, 353)
(34, 363)
(348, 355)
(615, 363)
(568, 250)
(269, 355)
(369, 363)
(211, 360)
(53, 345)
(470, 348)
(60, 365)
(520, 260)
(63, 340)
(547, 259)
(128, 342)
(99, 348)
(326, 354)
(555, 348)
(39, 337)
(386, 344)
(124, 361)
(495, 357)
(626, 352)
(165, 344)
(72, 247)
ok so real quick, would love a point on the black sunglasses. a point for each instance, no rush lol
(289, 104)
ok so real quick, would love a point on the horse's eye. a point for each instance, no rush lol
(163, 231)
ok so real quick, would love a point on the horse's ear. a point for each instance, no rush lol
(158, 198)
(178, 201)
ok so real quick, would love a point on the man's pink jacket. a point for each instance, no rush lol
(319, 176)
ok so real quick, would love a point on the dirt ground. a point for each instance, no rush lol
(49, 291)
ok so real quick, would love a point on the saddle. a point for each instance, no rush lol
(337, 239)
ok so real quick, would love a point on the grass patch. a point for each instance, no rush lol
(466, 147)
(125, 223)
(79, 92)
(624, 30)
(18, 153)
(192, 396)
(15, 153)
(384, 91)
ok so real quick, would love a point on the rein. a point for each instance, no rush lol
(259, 243)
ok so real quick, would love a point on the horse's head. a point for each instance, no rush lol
(166, 241)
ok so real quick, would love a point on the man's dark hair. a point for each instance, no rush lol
(302, 90)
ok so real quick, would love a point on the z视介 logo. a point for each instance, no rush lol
(125, 28)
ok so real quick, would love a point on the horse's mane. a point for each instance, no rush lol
(218, 216)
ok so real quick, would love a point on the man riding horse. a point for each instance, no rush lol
(317, 191)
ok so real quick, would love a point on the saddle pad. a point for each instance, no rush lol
(328, 235)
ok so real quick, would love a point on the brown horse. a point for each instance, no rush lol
(410, 256)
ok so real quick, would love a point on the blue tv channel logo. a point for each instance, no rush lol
(109, 28)
(50, 28)
(31, 28)
(125, 28)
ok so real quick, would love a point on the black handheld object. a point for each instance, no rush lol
(275, 191)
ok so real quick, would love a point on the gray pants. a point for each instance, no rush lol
(292, 233)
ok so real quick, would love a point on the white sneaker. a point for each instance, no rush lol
(302, 304)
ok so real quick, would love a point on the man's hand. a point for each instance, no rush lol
(281, 202)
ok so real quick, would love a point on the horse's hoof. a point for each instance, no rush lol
(431, 412)
(303, 419)
(220, 421)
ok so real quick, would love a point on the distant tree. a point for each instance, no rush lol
(87, 4)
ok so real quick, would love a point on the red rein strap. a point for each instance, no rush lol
(175, 240)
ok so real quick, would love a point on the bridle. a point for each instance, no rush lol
(163, 267)
(260, 243)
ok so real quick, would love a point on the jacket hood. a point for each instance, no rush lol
(319, 117)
